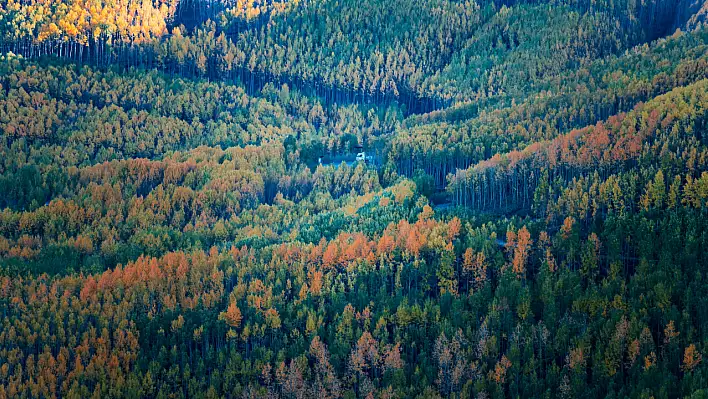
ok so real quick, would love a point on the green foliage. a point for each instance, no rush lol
(182, 213)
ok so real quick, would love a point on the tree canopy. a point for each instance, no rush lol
(377, 199)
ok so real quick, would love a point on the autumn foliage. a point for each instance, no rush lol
(185, 212)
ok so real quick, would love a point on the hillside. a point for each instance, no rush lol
(185, 212)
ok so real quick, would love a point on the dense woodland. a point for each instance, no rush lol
(180, 215)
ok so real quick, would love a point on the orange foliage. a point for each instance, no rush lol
(232, 316)
(691, 358)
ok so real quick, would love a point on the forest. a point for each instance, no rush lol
(186, 212)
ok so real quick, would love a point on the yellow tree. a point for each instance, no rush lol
(691, 358)
(523, 245)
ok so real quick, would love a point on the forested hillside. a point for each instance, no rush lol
(185, 210)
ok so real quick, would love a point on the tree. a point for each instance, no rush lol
(691, 358)
(232, 316)
(523, 246)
